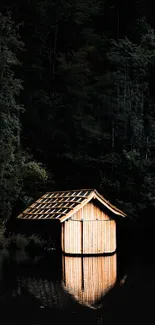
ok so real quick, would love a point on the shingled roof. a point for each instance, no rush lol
(62, 204)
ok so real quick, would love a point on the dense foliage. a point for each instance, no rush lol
(77, 96)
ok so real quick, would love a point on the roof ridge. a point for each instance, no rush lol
(109, 203)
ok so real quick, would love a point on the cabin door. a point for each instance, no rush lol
(93, 239)
(89, 237)
(71, 236)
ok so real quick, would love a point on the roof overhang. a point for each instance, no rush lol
(98, 197)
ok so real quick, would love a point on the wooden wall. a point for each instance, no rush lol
(89, 231)
(88, 279)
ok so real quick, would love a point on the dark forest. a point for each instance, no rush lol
(77, 101)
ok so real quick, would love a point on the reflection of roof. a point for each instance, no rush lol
(61, 205)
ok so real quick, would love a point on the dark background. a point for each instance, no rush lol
(77, 104)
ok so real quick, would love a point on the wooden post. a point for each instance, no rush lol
(64, 236)
(82, 270)
(82, 236)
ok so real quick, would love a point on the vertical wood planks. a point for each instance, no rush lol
(72, 237)
(89, 231)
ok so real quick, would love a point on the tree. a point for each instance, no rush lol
(14, 164)
(10, 87)
(133, 112)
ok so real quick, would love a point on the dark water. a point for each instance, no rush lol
(59, 289)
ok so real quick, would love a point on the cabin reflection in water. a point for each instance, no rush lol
(82, 280)
(88, 279)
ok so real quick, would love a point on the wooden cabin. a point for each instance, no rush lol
(88, 220)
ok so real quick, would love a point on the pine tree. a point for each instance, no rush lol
(10, 87)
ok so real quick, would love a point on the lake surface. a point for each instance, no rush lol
(59, 289)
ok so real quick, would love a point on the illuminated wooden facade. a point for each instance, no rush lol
(88, 220)
(89, 231)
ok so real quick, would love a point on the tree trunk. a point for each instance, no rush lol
(147, 142)
(54, 55)
(18, 128)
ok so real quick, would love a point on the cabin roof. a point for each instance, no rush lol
(63, 204)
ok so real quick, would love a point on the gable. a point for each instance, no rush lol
(91, 211)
